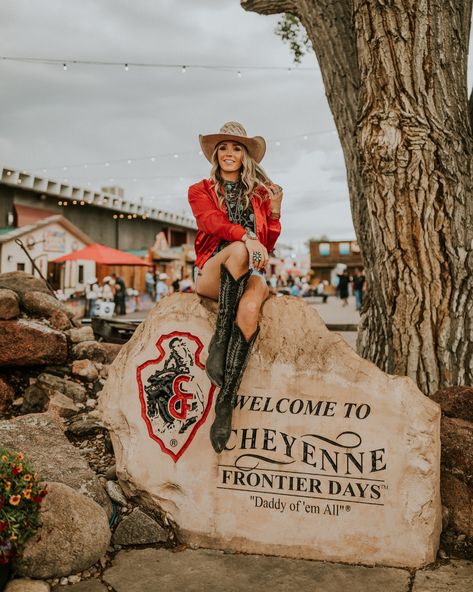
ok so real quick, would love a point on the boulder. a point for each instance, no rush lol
(81, 334)
(51, 383)
(43, 305)
(457, 473)
(138, 529)
(329, 458)
(9, 304)
(73, 536)
(116, 493)
(62, 406)
(31, 343)
(51, 454)
(7, 394)
(35, 399)
(112, 350)
(84, 425)
(456, 401)
(90, 350)
(24, 585)
(59, 320)
(22, 283)
(84, 369)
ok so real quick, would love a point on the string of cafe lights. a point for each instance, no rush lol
(175, 155)
(183, 68)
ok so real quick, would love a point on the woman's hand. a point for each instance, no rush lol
(258, 254)
(276, 194)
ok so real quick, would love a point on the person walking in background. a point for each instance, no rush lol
(150, 285)
(358, 283)
(162, 289)
(175, 285)
(120, 294)
(343, 283)
(107, 293)
(92, 292)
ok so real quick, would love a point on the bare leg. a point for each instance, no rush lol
(235, 258)
(250, 305)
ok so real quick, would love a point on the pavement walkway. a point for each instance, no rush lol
(162, 570)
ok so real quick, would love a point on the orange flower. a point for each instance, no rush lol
(17, 469)
(27, 493)
(7, 484)
(15, 500)
(27, 477)
(20, 456)
(5, 458)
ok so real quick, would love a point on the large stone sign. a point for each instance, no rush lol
(329, 457)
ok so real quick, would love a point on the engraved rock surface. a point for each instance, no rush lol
(329, 457)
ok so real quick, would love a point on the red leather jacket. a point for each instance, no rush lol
(213, 224)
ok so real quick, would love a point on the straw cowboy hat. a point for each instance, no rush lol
(235, 132)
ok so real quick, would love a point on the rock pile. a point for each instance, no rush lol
(52, 371)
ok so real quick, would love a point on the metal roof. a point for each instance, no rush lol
(73, 193)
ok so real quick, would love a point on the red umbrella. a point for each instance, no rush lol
(102, 254)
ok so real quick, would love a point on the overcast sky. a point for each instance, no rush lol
(53, 118)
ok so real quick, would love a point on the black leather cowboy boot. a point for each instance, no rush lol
(230, 292)
(238, 354)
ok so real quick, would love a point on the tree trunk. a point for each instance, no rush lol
(399, 68)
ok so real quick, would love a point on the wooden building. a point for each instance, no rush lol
(326, 255)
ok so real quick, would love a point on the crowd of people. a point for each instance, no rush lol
(159, 284)
(111, 289)
(357, 282)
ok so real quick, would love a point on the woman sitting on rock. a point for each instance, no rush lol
(237, 212)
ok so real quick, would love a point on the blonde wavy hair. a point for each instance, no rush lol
(252, 176)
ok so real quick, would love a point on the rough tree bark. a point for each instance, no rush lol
(395, 79)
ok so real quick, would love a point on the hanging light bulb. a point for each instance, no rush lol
(129, 161)
(64, 67)
(239, 74)
(126, 68)
(183, 70)
(153, 158)
(176, 156)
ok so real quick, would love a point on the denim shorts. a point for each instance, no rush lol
(256, 272)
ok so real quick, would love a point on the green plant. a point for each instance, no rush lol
(20, 499)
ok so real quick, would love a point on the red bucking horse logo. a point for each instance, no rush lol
(175, 393)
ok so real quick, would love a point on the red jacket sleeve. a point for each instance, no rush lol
(210, 218)
(274, 228)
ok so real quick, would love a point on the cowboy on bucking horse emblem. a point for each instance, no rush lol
(175, 395)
